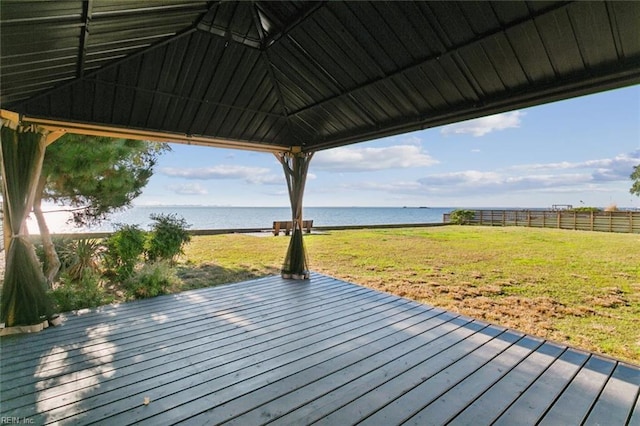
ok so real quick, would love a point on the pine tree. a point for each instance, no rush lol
(95, 176)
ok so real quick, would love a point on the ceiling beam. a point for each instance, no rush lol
(302, 16)
(58, 128)
(87, 7)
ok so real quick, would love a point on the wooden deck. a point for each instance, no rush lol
(289, 352)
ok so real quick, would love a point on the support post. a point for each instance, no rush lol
(295, 165)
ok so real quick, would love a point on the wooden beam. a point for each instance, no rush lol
(54, 136)
(9, 118)
(56, 126)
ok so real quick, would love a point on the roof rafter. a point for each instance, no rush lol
(87, 7)
(302, 16)
(420, 63)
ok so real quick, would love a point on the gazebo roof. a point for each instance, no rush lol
(272, 75)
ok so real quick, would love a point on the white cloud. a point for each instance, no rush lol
(370, 159)
(217, 172)
(254, 175)
(604, 169)
(468, 177)
(188, 189)
(482, 126)
(266, 179)
(591, 175)
(413, 140)
(398, 186)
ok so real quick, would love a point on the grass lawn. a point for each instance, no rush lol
(575, 287)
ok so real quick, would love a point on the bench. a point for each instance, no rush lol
(287, 226)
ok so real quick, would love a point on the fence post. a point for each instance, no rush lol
(610, 221)
(592, 220)
(630, 222)
(559, 213)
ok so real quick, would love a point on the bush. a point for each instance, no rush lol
(167, 237)
(584, 209)
(85, 292)
(461, 217)
(60, 244)
(124, 249)
(152, 280)
(80, 257)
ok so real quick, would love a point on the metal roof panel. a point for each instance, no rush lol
(292, 72)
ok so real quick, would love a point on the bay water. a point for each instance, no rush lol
(199, 217)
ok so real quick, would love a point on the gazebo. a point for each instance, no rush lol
(290, 78)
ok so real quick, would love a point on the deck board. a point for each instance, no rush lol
(531, 406)
(323, 351)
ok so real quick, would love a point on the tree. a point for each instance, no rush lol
(635, 177)
(95, 176)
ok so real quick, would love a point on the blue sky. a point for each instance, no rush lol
(579, 151)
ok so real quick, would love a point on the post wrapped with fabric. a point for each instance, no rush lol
(295, 167)
(25, 301)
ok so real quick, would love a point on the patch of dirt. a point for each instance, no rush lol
(207, 274)
(613, 297)
(487, 302)
(528, 315)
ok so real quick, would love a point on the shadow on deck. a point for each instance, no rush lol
(288, 352)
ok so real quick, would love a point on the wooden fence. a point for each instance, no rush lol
(617, 221)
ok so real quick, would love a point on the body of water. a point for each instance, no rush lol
(252, 217)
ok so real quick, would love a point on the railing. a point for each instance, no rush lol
(615, 221)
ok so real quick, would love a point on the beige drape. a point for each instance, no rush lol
(296, 166)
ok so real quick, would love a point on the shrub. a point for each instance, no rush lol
(124, 249)
(80, 257)
(152, 280)
(584, 209)
(85, 292)
(167, 237)
(461, 217)
(60, 244)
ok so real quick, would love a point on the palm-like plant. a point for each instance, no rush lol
(83, 256)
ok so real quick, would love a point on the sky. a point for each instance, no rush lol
(579, 151)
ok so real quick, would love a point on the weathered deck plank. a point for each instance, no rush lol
(321, 351)
(618, 396)
(576, 401)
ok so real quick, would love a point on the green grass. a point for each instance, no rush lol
(581, 288)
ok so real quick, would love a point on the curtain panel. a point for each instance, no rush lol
(24, 296)
(296, 166)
